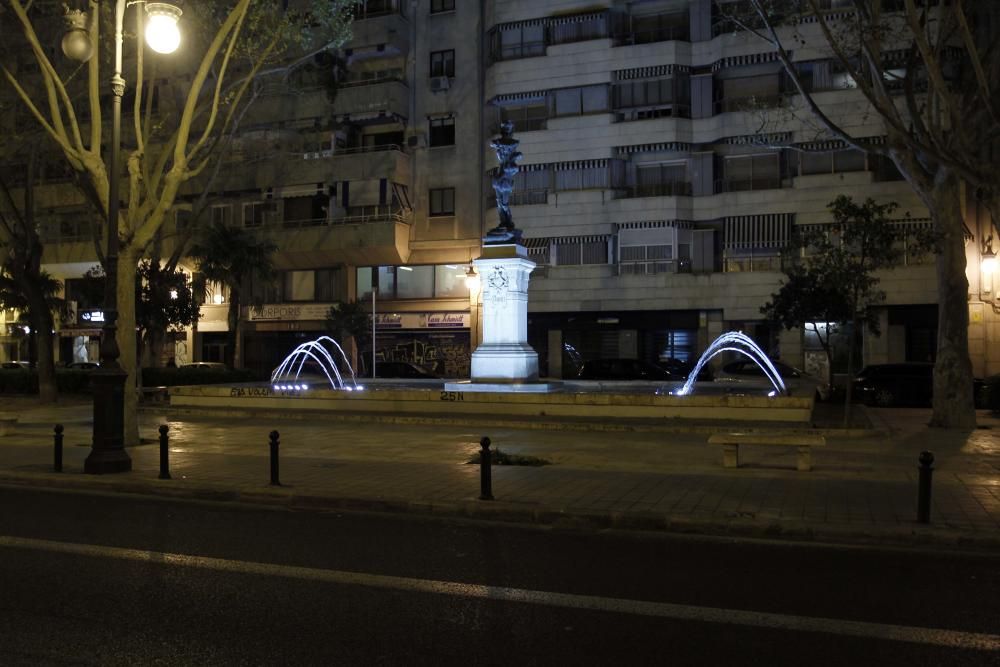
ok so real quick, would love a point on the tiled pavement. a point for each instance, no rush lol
(861, 488)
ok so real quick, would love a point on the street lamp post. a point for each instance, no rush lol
(107, 453)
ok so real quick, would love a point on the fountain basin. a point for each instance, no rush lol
(572, 401)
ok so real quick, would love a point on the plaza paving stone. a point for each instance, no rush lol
(860, 488)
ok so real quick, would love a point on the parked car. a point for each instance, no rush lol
(82, 365)
(402, 369)
(625, 369)
(745, 373)
(15, 366)
(911, 383)
(682, 369)
(884, 385)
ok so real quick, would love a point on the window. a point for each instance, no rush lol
(443, 63)
(442, 201)
(449, 281)
(414, 282)
(300, 285)
(442, 6)
(519, 41)
(442, 131)
(751, 172)
(576, 101)
(327, 284)
(526, 117)
(581, 251)
(222, 214)
(253, 214)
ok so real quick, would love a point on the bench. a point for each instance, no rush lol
(731, 445)
(7, 424)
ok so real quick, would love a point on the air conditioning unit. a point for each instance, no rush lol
(440, 83)
(418, 140)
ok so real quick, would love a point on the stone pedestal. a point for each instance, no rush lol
(504, 355)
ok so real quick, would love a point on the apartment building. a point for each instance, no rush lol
(665, 166)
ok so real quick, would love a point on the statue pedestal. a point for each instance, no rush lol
(504, 355)
(504, 361)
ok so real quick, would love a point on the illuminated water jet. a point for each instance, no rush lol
(286, 376)
(735, 341)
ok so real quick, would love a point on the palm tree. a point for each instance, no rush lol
(349, 321)
(233, 257)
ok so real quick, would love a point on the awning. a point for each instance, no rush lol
(749, 59)
(649, 72)
(654, 224)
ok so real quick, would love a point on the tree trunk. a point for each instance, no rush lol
(125, 289)
(233, 337)
(953, 401)
(41, 330)
(851, 342)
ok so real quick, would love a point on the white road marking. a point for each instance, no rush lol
(881, 631)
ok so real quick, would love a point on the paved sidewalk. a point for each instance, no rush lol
(862, 489)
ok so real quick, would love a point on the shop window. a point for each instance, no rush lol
(386, 281)
(364, 282)
(327, 284)
(443, 63)
(300, 285)
(449, 281)
(414, 282)
(442, 202)
(442, 131)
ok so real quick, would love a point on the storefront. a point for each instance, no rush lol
(80, 336)
(437, 341)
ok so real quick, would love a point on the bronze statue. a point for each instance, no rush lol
(503, 184)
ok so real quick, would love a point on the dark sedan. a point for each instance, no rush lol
(624, 369)
(885, 385)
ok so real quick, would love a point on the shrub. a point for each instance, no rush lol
(170, 377)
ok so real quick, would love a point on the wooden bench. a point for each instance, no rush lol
(731, 445)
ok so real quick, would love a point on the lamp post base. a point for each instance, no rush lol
(107, 453)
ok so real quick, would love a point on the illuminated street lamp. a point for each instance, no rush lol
(107, 453)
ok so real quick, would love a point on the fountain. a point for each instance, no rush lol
(735, 341)
(283, 374)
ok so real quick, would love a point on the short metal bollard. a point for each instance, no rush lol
(164, 452)
(485, 471)
(924, 487)
(57, 455)
(274, 458)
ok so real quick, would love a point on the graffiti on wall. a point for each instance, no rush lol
(445, 354)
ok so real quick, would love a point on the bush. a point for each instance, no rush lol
(25, 381)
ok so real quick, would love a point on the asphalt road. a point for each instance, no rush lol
(115, 580)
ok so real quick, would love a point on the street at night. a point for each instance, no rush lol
(174, 582)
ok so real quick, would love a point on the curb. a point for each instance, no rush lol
(735, 526)
(486, 420)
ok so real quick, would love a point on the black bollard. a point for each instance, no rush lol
(924, 487)
(57, 455)
(164, 452)
(274, 459)
(485, 471)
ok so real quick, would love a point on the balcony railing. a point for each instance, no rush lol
(667, 189)
(669, 33)
(371, 78)
(747, 103)
(741, 184)
(766, 262)
(354, 150)
(357, 215)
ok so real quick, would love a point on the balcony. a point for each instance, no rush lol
(747, 184)
(382, 25)
(748, 103)
(665, 189)
(349, 164)
(388, 97)
(377, 234)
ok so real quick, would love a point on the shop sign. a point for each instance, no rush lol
(447, 320)
(289, 311)
(388, 320)
(91, 316)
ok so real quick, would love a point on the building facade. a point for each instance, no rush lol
(666, 164)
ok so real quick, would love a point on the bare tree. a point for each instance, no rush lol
(236, 40)
(931, 74)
